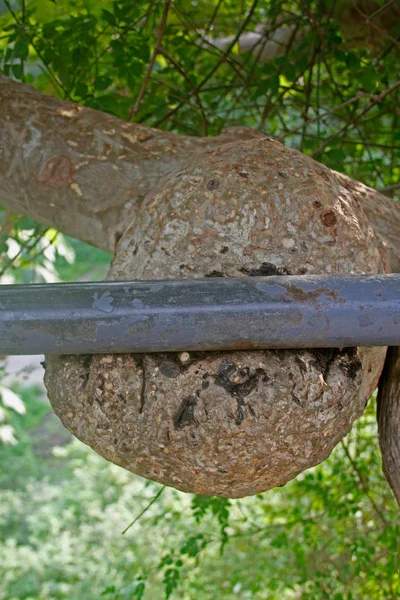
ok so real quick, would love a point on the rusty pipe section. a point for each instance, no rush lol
(200, 314)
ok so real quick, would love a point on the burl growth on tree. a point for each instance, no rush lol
(228, 423)
(225, 423)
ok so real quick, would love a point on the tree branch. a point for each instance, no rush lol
(86, 173)
(133, 110)
(81, 170)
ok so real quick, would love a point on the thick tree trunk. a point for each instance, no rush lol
(220, 423)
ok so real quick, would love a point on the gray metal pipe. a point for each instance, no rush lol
(200, 314)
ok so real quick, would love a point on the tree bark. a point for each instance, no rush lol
(389, 419)
(86, 173)
(384, 216)
(80, 170)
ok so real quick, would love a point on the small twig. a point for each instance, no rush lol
(53, 77)
(375, 26)
(355, 98)
(222, 58)
(193, 87)
(363, 484)
(308, 92)
(269, 106)
(146, 508)
(380, 9)
(133, 110)
(384, 146)
(24, 25)
(376, 99)
(214, 15)
(42, 250)
(365, 143)
(25, 246)
(389, 188)
(314, 22)
(207, 45)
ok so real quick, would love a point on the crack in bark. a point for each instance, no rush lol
(140, 364)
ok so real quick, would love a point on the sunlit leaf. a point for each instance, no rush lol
(11, 400)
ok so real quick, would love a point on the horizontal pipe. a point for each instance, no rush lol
(200, 314)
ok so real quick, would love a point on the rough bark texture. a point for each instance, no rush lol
(380, 211)
(233, 423)
(81, 170)
(389, 419)
(86, 173)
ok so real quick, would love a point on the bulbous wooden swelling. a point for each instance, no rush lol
(240, 422)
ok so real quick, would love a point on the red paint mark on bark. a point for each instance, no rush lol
(58, 171)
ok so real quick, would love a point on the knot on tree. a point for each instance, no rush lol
(240, 422)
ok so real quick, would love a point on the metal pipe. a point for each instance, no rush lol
(200, 314)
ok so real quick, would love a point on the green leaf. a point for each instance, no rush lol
(81, 89)
(171, 580)
(139, 590)
(269, 68)
(102, 82)
(193, 545)
(109, 590)
(3, 243)
(109, 17)
(25, 223)
(21, 48)
(368, 79)
(273, 83)
(353, 61)
(17, 71)
(290, 72)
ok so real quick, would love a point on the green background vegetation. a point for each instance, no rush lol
(331, 533)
